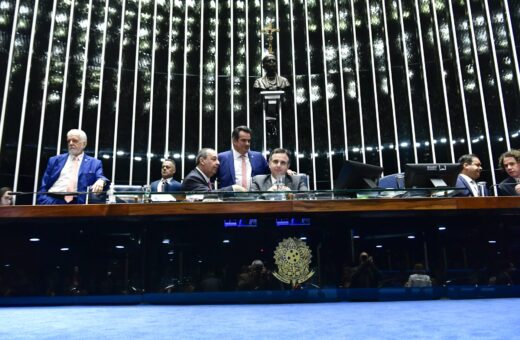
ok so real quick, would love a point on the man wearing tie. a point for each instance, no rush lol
(279, 163)
(166, 183)
(199, 179)
(510, 162)
(239, 165)
(469, 173)
(71, 172)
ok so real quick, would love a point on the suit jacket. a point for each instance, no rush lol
(464, 184)
(194, 181)
(90, 170)
(173, 185)
(264, 182)
(507, 187)
(226, 172)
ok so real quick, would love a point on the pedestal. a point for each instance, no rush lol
(272, 118)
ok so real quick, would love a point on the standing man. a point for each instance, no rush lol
(510, 162)
(71, 172)
(239, 165)
(166, 183)
(470, 171)
(279, 165)
(199, 179)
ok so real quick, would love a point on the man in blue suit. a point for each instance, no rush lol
(166, 183)
(470, 171)
(239, 165)
(71, 172)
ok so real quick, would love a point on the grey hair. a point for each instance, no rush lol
(203, 153)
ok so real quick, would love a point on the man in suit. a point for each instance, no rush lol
(71, 172)
(199, 179)
(239, 165)
(166, 183)
(510, 162)
(470, 171)
(279, 161)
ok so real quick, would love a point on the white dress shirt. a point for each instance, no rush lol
(472, 184)
(237, 160)
(62, 183)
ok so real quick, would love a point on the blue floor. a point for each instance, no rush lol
(439, 319)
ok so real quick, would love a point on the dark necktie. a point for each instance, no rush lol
(164, 185)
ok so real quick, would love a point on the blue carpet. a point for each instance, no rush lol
(440, 319)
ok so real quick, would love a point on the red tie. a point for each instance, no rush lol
(244, 171)
(73, 181)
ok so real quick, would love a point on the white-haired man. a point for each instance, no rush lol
(70, 172)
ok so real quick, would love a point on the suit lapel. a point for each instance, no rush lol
(231, 165)
(467, 185)
(268, 182)
(84, 165)
(61, 164)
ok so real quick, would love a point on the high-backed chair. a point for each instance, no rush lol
(391, 182)
(128, 193)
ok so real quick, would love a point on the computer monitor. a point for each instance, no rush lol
(356, 175)
(429, 175)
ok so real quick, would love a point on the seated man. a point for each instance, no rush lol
(71, 172)
(510, 162)
(199, 179)
(166, 183)
(278, 164)
(469, 173)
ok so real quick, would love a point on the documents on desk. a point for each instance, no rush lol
(162, 198)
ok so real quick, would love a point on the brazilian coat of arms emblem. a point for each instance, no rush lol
(293, 257)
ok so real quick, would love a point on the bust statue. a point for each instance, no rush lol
(271, 81)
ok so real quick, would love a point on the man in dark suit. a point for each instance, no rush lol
(240, 160)
(510, 162)
(279, 161)
(166, 183)
(71, 172)
(470, 171)
(199, 179)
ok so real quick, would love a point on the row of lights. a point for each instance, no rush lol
(412, 237)
(300, 155)
(36, 239)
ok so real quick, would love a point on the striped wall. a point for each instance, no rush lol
(382, 82)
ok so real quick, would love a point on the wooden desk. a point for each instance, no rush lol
(366, 206)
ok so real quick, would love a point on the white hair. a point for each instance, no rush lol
(77, 132)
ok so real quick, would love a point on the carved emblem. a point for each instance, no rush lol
(293, 257)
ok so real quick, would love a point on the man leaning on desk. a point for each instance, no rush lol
(279, 179)
(199, 179)
(71, 172)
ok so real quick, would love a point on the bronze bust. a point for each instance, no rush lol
(271, 81)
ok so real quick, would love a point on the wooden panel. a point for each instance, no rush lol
(262, 207)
